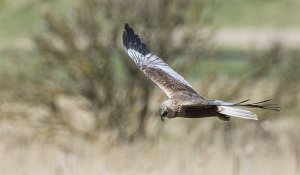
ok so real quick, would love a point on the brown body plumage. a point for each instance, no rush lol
(183, 100)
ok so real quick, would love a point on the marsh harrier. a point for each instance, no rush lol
(183, 100)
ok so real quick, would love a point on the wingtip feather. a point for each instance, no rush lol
(133, 41)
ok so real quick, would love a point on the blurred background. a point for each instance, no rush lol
(72, 102)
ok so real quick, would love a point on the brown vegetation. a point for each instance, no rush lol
(87, 49)
(84, 103)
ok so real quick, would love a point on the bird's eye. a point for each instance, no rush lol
(164, 113)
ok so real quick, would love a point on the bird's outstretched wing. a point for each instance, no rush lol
(154, 67)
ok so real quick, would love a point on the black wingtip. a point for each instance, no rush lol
(133, 41)
(125, 37)
(126, 26)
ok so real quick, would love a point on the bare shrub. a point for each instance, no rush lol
(282, 67)
(276, 68)
(83, 54)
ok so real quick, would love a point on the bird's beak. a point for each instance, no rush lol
(162, 119)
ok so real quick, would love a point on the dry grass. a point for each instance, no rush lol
(35, 143)
(263, 148)
(68, 113)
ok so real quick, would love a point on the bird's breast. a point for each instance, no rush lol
(198, 112)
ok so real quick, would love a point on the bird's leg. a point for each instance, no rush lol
(224, 117)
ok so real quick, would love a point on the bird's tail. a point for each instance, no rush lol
(231, 109)
(236, 112)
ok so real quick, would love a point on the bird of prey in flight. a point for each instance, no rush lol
(183, 100)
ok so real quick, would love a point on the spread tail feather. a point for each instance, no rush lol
(235, 112)
(261, 104)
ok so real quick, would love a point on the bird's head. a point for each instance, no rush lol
(166, 110)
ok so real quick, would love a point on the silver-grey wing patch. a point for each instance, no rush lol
(153, 66)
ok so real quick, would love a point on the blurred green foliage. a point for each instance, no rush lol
(70, 93)
(253, 13)
(79, 52)
(86, 48)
